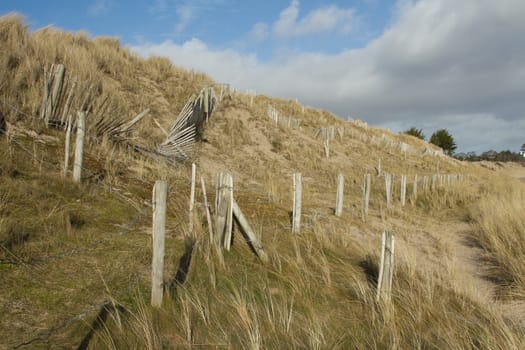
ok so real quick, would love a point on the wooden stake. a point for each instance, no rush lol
(388, 188)
(192, 196)
(160, 191)
(251, 238)
(207, 209)
(386, 267)
(229, 214)
(67, 144)
(46, 96)
(49, 101)
(79, 146)
(414, 188)
(366, 193)
(403, 189)
(205, 102)
(339, 196)
(57, 87)
(224, 212)
(297, 201)
(425, 183)
(69, 100)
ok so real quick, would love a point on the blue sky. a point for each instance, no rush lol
(220, 23)
(431, 64)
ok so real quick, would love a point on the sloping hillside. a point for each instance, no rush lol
(75, 259)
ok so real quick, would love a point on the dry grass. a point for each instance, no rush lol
(499, 219)
(317, 291)
(315, 296)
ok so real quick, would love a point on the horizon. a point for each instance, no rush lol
(430, 64)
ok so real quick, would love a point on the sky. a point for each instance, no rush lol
(429, 64)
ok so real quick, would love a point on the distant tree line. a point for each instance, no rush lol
(502, 156)
(442, 138)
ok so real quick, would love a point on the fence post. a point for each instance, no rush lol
(425, 183)
(366, 194)
(45, 101)
(327, 147)
(69, 100)
(251, 238)
(386, 267)
(297, 202)
(57, 88)
(339, 196)
(79, 146)
(403, 189)
(205, 103)
(67, 144)
(224, 212)
(160, 191)
(207, 209)
(388, 188)
(192, 196)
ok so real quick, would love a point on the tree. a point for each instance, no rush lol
(443, 139)
(413, 131)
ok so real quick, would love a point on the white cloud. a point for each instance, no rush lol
(227, 65)
(325, 19)
(181, 12)
(449, 64)
(185, 13)
(100, 7)
(259, 32)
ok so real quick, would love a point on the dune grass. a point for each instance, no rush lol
(499, 219)
(69, 251)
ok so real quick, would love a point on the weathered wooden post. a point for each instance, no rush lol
(224, 212)
(341, 131)
(160, 191)
(205, 103)
(251, 238)
(207, 209)
(327, 147)
(67, 144)
(45, 100)
(403, 189)
(58, 81)
(366, 193)
(192, 197)
(386, 267)
(79, 146)
(297, 202)
(378, 167)
(434, 183)
(69, 100)
(388, 188)
(339, 196)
